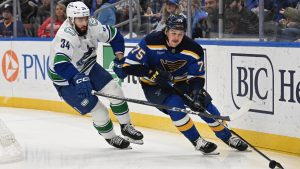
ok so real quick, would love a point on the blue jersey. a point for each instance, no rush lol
(185, 62)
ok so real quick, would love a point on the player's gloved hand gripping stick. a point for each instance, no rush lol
(272, 163)
(161, 78)
(118, 64)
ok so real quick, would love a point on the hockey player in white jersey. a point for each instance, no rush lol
(75, 73)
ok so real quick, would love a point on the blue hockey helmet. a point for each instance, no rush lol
(177, 22)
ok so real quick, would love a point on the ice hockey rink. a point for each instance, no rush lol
(53, 140)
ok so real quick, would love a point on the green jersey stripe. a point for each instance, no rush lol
(105, 128)
(59, 58)
(119, 109)
(113, 31)
(54, 76)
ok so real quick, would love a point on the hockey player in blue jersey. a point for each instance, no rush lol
(170, 56)
(75, 73)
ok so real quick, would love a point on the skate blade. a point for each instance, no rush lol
(127, 148)
(245, 151)
(211, 153)
(215, 152)
(140, 142)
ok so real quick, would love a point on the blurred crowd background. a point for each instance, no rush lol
(262, 20)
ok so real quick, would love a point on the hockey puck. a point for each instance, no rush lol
(272, 164)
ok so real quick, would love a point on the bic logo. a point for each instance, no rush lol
(10, 66)
(252, 77)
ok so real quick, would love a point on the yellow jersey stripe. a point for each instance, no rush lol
(190, 53)
(186, 126)
(125, 64)
(152, 83)
(202, 76)
(217, 128)
(157, 47)
(146, 81)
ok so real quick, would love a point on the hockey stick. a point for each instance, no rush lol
(242, 111)
(272, 163)
(176, 109)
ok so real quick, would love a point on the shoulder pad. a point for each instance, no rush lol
(191, 45)
(93, 22)
(70, 31)
(69, 34)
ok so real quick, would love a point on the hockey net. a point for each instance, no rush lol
(10, 149)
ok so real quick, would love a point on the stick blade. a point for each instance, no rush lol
(243, 110)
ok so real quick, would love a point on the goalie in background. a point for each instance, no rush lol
(75, 73)
(170, 56)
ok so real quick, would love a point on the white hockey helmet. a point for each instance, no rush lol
(77, 9)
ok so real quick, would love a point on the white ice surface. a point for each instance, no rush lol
(61, 141)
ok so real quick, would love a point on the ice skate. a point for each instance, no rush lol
(131, 134)
(207, 148)
(237, 143)
(119, 142)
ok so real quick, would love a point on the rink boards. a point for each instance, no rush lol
(235, 71)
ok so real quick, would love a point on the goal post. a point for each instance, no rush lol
(10, 149)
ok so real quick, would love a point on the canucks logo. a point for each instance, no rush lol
(92, 22)
(172, 66)
(70, 31)
(86, 56)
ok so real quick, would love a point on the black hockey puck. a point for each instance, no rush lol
(272, 164)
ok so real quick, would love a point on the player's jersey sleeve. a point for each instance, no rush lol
(137, 60)
(139, 55)
(61, 67)
(196, 65)
(196, 68)
(196, 71)
(108, 34)
(99, 31)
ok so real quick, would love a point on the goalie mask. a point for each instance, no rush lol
(78, 10)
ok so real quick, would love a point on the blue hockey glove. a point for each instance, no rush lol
(83, 85)
(118, 68)
(162, 78)
(201, 100)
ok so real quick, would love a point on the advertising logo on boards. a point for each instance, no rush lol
(252, 77)
(10, 66)
(108, 57)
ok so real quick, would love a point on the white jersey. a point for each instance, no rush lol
(67, 46)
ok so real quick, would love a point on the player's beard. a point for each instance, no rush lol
(81, 32)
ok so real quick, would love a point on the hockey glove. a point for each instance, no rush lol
(83, 85)
(201, 100)
(118, 68)
(161, 78)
